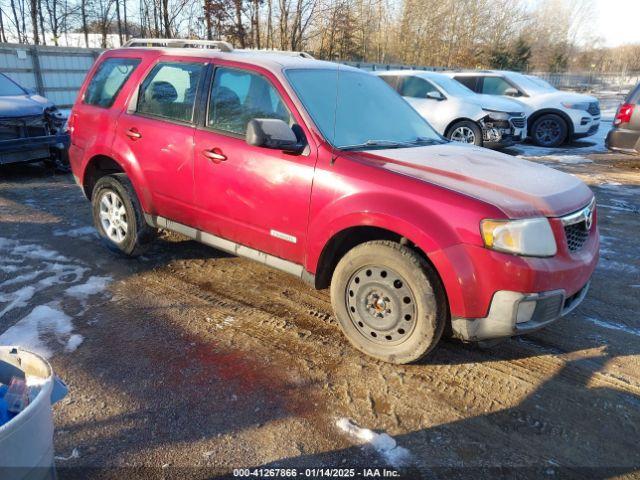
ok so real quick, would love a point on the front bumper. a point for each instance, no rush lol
(32, 148)
(514, 313)
(503, 133)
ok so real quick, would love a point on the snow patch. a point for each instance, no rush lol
(93, 286)
(44, 320)
(567, 159)
(614, 326)
(76, 232)
(383, 443)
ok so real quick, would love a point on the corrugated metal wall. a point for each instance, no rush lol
(54, 72)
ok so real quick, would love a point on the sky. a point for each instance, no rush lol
(618, 21)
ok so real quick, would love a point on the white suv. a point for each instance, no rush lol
(457, 113)
(556, 117)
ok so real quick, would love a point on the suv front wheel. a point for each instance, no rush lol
(118, 216)
(389, 301)
(549, 130)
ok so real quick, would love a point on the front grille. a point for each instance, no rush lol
(25, 127)
(594, 109)
(577, 235)
(518, 122)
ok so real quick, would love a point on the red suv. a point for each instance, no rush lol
(325, 172)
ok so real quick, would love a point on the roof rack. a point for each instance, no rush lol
(179, 43)
(287, 53)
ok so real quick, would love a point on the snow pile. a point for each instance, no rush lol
(43, 321)
(383, 443)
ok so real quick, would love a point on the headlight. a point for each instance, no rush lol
(576, 106)
(530, 237)
(496, 115)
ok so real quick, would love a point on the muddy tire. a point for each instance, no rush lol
(389, 301)
(549, 130)
(465, 131)
(118, 216)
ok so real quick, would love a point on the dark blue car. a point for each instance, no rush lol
(31, 128)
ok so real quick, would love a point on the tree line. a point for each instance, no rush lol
(551, 35)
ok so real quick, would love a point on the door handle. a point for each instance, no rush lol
(133, 134)
(215, 155)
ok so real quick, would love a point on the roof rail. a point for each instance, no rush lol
(287, 53)
(179, 43)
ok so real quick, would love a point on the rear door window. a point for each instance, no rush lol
(108, 80)
(468, 81)
(238, 96)
(169, 91)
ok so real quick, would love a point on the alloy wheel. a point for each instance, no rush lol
(548, 132)
(113, 216)
(463, 135)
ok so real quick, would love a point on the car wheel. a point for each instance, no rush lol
(465, 131)
(118, 216)
(389, 301)
(549, 130)
(59, 161)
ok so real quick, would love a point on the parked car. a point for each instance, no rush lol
(31, 128)
(556, 116)
(323, 171)
(458, 113)
(625, 134)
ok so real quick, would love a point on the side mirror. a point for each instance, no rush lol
(435, 95)
(272, 133)
(512, 92)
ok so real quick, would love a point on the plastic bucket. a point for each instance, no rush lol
(26, 441)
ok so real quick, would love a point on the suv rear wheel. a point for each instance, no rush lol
(388, 301)
(118, 216)
(549, 130)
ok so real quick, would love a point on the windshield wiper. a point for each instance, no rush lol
(377, 144)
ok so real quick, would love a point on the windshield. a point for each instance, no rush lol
(9, 88)
(529, 83)
(357, 109)
(451, 86)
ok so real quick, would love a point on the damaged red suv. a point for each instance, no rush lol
(325, 172)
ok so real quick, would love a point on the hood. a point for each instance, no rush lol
(559, 96)
(494, 102)
(22, 105)
(519, 188)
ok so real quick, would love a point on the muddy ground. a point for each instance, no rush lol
(190, 363)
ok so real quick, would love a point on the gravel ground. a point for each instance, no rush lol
(189, 363)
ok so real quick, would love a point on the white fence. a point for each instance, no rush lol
(54, 72)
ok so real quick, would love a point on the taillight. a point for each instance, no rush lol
(624, 114)
(70, 122)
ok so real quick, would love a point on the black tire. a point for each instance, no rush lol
(138, 234)
(463, 129)
(549, 130)
(397, 311)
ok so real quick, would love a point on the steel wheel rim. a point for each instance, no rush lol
(113, 216)
(463, 135)
(548, 131)
(381, 305)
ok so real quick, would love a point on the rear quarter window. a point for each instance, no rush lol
(468, 81)
(634, 95)
(108, 80)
